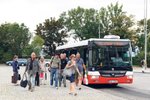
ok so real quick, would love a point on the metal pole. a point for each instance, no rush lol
(99, 31)
(145, 30)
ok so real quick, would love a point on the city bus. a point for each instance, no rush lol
(107, 60)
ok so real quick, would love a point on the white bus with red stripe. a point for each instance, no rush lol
(108, 61)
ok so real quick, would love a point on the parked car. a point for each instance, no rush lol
(21, 62)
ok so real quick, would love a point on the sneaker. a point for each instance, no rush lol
(75, 94)
(29, 87)
(70, 93)
(32, 90)
(56, 87)
(142, 71)
(65, 85)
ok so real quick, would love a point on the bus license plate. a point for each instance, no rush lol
(113, 81)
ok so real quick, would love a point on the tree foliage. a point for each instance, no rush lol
(35, 46)
(112, 20)
(53, 32)
(115, 21)
(141, 36)
(82, 21)
(13, 39)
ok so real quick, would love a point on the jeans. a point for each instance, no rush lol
(54, 76)
(62, 77)
(37, 80)
(31, 80)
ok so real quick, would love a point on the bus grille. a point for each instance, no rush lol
(112, 73)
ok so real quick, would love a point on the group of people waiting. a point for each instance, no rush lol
(36, 69)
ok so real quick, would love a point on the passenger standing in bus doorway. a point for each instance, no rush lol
(81, 67)
(143, 65)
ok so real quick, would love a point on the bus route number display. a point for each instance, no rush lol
(111, 43)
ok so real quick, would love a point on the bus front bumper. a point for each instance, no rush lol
(109, 80)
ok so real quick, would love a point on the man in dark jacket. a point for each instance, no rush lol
(32, 68)
(63, 65)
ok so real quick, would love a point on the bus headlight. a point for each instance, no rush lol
(94, 77)
(130, 76)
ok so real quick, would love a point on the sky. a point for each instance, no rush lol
(33, 12)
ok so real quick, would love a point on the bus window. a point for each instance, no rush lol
(111, 56)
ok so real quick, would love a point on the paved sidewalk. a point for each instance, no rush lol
(10, 92)
(139, 70)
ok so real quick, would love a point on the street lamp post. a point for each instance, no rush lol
(145, 30)
(99, 31)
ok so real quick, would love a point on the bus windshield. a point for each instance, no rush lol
(108, 56)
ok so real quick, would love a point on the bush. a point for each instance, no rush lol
(6, 57)
(137, 59)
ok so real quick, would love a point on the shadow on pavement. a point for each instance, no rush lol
(103, 86)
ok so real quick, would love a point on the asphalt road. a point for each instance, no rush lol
(139, 90)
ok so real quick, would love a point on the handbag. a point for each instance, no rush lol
(85, 80)
(67, 71)
(24, 82)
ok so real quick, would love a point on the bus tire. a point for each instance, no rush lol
(114, 85)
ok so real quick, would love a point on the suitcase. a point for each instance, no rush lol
(14, 79)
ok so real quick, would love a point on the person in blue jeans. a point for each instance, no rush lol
(55, 64)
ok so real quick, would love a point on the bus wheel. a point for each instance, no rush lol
(114, 85)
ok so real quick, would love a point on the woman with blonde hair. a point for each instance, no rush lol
(72, 65)
(42, 70)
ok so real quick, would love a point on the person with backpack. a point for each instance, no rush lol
(55, 64)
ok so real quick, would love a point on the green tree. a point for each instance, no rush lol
(115, 21)
(82, 22)
(141, 36)
(112, 20)
(35, 46)
(13, 39)
(53, 33)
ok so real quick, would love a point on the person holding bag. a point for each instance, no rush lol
(73, 68)
(15, 67)
(32, 68)
(82, 68)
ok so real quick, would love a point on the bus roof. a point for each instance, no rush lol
(85, 42)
